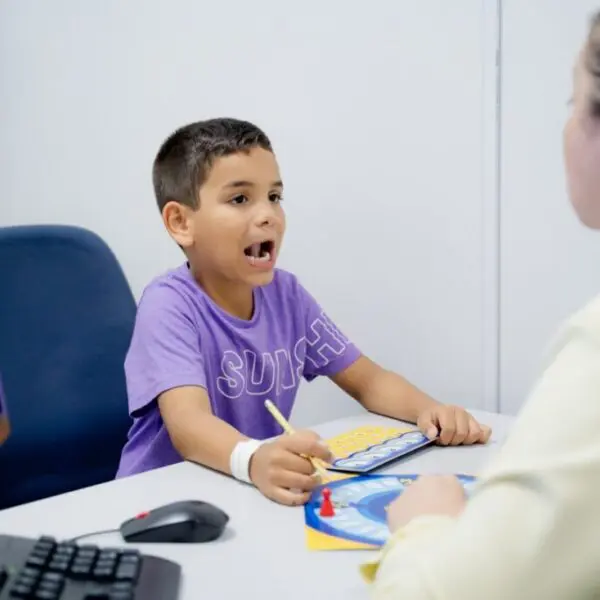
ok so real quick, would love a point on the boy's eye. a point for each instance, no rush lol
(242, 199)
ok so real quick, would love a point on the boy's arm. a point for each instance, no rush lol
(383, 392)
(165, 365)
(195, 432)
(277, 469)
(329, 352)
(389, 394)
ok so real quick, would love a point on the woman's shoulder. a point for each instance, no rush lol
(583, 326)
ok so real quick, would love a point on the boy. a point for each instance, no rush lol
(219, 335)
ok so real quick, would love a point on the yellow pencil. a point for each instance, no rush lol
(288, 429)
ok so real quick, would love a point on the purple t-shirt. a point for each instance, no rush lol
(182, 337)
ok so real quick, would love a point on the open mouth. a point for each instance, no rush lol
(260, 252)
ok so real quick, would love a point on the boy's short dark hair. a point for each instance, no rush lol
(185, 157)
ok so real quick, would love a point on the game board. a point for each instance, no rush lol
(365, 449)
(360, 504)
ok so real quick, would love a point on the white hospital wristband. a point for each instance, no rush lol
(239, 461)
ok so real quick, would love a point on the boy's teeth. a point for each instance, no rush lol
(255, 250)
(264, 258)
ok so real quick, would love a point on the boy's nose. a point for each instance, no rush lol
(266, 215)
(266, 220)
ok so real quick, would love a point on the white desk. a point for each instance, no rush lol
(261, 533)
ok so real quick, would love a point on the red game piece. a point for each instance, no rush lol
(327, 505)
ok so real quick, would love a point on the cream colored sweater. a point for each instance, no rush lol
(531, 530)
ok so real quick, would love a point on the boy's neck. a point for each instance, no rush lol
(235, 299)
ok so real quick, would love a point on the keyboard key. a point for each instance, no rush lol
(29, 572)
(67, 551)
(52, 586)
(67, 547)
(121, 596)
(59, 565)
(130, 559)
(27, 581)
(97, 594)
(35, 561)
(131, 555)
(81, 572)
(49, 576)
(43, 548)
(102, 574)
(45, 543)
(43, 553)
(47, 595)
(83, 561)
(46, 539)
(21, 591)
(106, 564)
(80, 566)
(83, 558)
(127, 571)
(122, 586)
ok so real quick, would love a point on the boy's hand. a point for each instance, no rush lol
(453, 425)
(428, 495)
(282, 474)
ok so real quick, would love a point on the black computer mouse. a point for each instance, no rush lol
(186, 522)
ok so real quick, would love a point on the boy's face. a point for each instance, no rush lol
(237, 230)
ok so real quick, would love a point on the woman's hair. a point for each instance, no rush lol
(592, 64)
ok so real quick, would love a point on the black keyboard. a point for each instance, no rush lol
(45, 569)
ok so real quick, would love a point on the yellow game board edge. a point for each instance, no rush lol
(317, 540)
(353, 440)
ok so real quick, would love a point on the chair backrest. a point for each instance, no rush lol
(66, 320)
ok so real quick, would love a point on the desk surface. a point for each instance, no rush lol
(264, 550)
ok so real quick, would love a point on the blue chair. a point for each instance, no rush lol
(66, 320)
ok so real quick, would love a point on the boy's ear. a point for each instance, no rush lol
(177, 219)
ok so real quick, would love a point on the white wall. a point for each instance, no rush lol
(549, 261)
(383, 118)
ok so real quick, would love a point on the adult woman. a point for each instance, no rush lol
(532, 529)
